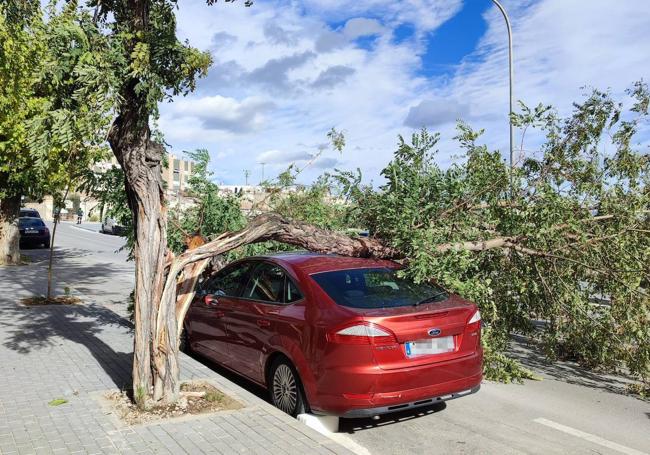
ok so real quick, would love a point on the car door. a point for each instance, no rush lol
(252, 323)
(214, 299)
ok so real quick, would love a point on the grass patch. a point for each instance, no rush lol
(57, 402)
(60, 300)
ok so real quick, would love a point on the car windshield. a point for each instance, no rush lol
(30, 222)
(376, 288)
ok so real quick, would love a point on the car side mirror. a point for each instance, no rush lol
(210, 300)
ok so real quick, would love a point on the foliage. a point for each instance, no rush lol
(107, 187)
(57, 402)
(211, 213)
(564, 259)
(149, 62)
(54, 101)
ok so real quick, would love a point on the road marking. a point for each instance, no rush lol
(328, 426)
(589, 437)
(84, 229)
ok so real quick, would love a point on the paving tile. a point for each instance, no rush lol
(76, 352)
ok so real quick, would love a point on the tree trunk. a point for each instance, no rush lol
(50, 266)
(155, 357)
(9, 235)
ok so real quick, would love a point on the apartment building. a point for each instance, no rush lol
(176, 174)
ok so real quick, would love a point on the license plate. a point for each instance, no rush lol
(31, 232)
(429, 346)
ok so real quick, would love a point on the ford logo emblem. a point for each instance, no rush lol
(434, 332)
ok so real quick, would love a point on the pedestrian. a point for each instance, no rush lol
(80, 215)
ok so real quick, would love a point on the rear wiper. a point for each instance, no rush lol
(430, 299)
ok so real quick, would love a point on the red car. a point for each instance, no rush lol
(335, 335)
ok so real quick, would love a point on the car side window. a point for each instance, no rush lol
(293, 293)
(266, 284)
(229, 281)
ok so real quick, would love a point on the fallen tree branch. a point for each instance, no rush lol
(189, 266)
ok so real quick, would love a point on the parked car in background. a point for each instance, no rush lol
(33, 213)
(110, 226)
(33, 232)
(336, 335)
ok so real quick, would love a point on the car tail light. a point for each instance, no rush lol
(474, 323)
(362, 333)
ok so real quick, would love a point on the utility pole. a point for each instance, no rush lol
(512, 76)
(247, 173)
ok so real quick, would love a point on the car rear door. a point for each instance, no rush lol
(206, 316)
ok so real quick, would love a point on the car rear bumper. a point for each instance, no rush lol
(372, 391)
(35, 240)
(370, 412)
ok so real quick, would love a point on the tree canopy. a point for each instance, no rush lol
(54, 98)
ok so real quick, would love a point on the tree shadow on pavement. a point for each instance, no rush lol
(36, 255)
(26, 329)
(531, 356)
(351, 426)
(101, 281)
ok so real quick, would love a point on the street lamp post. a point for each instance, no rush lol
(510, 65)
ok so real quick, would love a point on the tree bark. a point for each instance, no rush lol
(9, 235)
(50, 267)
(155, 365)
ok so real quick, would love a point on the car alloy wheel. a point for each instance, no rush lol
(286, 392)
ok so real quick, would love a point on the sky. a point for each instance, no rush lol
(286, 71)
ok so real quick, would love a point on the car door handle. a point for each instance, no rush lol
(263, 323)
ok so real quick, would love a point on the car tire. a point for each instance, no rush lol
(285, 388)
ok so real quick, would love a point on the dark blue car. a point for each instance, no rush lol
(33, 232)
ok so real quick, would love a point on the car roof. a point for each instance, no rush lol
(316, 262)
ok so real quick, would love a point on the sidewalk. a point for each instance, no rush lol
(79, 352)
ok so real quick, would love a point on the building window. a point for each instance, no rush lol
(177, 165)
(185, 166)
(177, 177)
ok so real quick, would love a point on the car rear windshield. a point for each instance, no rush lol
(376, 288)
(31, 222)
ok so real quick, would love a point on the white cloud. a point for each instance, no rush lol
(362, 26)
(226, 114)
(424, 14)
(559, 47)
(333, 76)
(433, 113)
(283, 76)
(282, 157)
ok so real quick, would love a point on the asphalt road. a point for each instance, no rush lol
(571, 411)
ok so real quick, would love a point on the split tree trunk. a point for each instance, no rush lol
(9, 235)
(155, 365)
